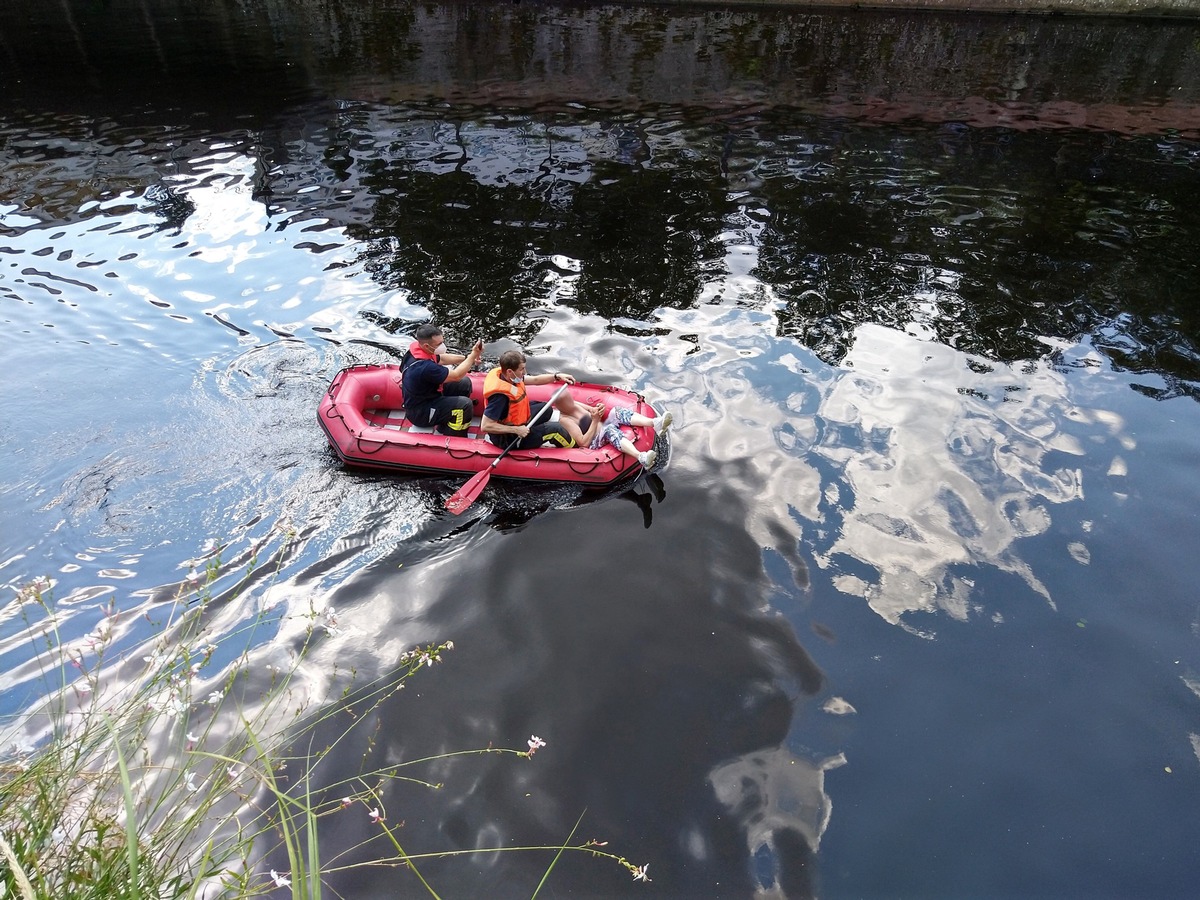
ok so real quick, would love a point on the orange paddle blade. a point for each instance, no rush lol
(466, 494)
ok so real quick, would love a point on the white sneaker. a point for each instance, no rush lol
(647, 458)
(662, 423)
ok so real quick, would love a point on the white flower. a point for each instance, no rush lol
(534, 743)
(330, 623)
(172, 705)
(233, 771)
(189, 782)
(280, 880)
(214, 698)
(375, 816)
(639, 874)
(346, 801)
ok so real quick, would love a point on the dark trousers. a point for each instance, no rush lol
(450, 413)
(542, 433)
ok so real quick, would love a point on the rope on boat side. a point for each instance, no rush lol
(462, 454)
(581, 471)
(359, 439)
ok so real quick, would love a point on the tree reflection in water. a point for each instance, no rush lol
(504, 222)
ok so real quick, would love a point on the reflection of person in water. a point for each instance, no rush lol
(593, 427)
(657, 493)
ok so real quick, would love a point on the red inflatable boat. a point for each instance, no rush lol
(362, 414)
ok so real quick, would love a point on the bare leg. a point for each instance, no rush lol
(646, 459)
(661, 424)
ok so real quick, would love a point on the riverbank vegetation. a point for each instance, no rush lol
(172, 772)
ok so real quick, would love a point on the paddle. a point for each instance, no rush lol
(466, 494)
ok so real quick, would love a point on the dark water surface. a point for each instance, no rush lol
(911, 608)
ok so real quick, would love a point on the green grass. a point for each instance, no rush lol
(145, 777)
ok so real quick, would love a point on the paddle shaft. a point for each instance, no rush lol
(465, 495)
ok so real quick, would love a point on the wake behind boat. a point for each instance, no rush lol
(362, 415)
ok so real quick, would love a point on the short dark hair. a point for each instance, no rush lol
(427, 331)
(511, 360)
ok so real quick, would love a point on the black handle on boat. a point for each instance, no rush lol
(465, 495)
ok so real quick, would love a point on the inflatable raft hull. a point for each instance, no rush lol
(362, 416)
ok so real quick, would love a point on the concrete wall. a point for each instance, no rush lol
(1150, 8)
(1128, 75)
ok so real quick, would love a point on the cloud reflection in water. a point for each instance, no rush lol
(939, 470)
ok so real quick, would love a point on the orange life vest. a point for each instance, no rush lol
(518, 400)
(420, 352)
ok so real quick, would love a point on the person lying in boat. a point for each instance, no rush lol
(593, 426)
(507, 409)
(434, 393)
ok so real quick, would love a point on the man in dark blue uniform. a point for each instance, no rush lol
(434, 393)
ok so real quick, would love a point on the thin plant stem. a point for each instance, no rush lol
(131, 838)
(554, 861)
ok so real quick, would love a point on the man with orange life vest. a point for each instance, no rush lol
(434, 393)
(507, 410)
